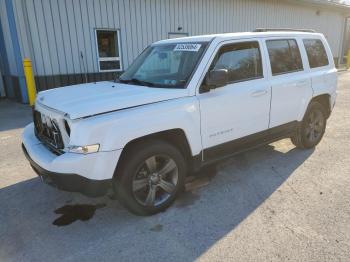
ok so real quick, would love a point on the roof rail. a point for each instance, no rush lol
(283, 29)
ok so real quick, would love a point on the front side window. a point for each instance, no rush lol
(108, 50)
(165, 65)
(241, 60)
(284, 56)
(316, 53)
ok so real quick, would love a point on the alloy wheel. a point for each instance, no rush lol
(314, 126)
(155, 180)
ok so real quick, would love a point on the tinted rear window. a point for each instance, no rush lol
(316, 53)
(284, 56)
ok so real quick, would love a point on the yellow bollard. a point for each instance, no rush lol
(28, 73)
(348, 60)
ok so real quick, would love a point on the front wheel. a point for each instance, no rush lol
(312, 128)
(150, 177)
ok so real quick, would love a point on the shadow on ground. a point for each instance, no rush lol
(197, 220)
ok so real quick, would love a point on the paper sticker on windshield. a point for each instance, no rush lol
(187, 47)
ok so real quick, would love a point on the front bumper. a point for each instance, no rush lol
(70, 182)
(89, 174)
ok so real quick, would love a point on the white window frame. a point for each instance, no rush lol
(101, 59)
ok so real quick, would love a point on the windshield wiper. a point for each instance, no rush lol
(136, 81)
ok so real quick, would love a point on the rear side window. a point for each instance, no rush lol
(284, 56)
(242, 60)
(316, 53)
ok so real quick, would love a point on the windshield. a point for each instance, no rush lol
(164, 65)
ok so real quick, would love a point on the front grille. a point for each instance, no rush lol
(48, 132)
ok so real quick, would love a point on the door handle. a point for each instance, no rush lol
(259, 93)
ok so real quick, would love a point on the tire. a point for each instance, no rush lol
(151, 170)
(311, 130)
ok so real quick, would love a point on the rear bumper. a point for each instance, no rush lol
(70, 182)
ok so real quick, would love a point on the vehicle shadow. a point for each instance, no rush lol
(202, 216)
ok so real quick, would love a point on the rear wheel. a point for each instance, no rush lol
(312, 128)
(150, 177)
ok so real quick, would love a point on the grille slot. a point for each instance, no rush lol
(66, 125)
(48, 132)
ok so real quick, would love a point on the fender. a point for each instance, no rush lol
(323, 82)
(114, 130)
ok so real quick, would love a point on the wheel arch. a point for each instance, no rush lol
(325, 101)
(176, 137)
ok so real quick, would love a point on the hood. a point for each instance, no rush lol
(95, 98)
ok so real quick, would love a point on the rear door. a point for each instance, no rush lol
(291, 86)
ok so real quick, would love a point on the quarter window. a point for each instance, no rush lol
(242, 60)
(284, 56)
(316, 53)
(108, 50)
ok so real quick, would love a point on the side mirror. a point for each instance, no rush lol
(217, 78)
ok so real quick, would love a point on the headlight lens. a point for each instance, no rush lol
(84, 149)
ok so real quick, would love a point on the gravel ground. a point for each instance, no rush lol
(275, 203)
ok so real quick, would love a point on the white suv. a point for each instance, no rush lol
(182, 104)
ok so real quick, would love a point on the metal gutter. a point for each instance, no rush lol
(4, 66)
(16, 50)
(323, 5)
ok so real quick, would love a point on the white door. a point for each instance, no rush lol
(291, 86)
(241, 107)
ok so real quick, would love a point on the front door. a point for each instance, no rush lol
(241, 107)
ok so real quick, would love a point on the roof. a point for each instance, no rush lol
(330, 3)
(337, 2)
(239, 35)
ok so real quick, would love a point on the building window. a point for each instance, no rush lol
(284, 56)
(316, 53)
(108, 50)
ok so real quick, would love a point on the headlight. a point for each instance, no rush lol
(84, 149)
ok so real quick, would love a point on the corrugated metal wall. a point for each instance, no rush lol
(346, 40)
(9, 69)
(7, 38)
(53, 33)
